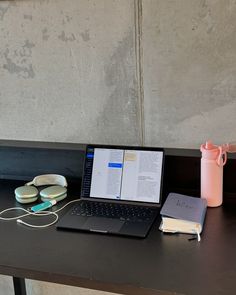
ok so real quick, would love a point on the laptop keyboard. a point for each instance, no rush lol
(111, 210)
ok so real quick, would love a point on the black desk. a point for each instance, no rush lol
(159, 264)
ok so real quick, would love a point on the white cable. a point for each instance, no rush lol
(11, 209)
(39, 214)
(198, 236)
(73, 201)
(39, 226)
(21, 216)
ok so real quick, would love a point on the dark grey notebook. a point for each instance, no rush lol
(183, 214)
(184, 207)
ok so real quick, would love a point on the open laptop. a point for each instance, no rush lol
(120, 193)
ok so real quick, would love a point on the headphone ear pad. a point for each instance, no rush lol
(26, 194)
(55, 192)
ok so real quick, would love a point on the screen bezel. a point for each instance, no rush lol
(125, 147)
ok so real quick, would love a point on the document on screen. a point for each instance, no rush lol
(107, 173)
(141, 179)
(132, 175)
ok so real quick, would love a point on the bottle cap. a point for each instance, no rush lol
(214, 152)
(209, 145)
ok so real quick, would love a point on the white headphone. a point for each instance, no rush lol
(56, 191)
(28, 193)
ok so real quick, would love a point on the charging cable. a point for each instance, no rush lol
(38, 214)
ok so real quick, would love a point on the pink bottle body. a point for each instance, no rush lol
(212, 161)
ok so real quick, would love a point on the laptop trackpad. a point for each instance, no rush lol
(101, 224)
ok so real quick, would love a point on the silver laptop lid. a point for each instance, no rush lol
(122, 173)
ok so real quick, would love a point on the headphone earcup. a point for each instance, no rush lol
(26, 194)
(55, 192)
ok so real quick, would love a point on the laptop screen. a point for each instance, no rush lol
(120, 173)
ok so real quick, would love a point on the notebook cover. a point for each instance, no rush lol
(184, 207)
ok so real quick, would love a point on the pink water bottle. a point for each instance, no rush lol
(213, 159)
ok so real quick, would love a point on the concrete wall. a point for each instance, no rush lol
(189, 67)
(150, 72)
(68, 71)
(153, 72)
(147, 72)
